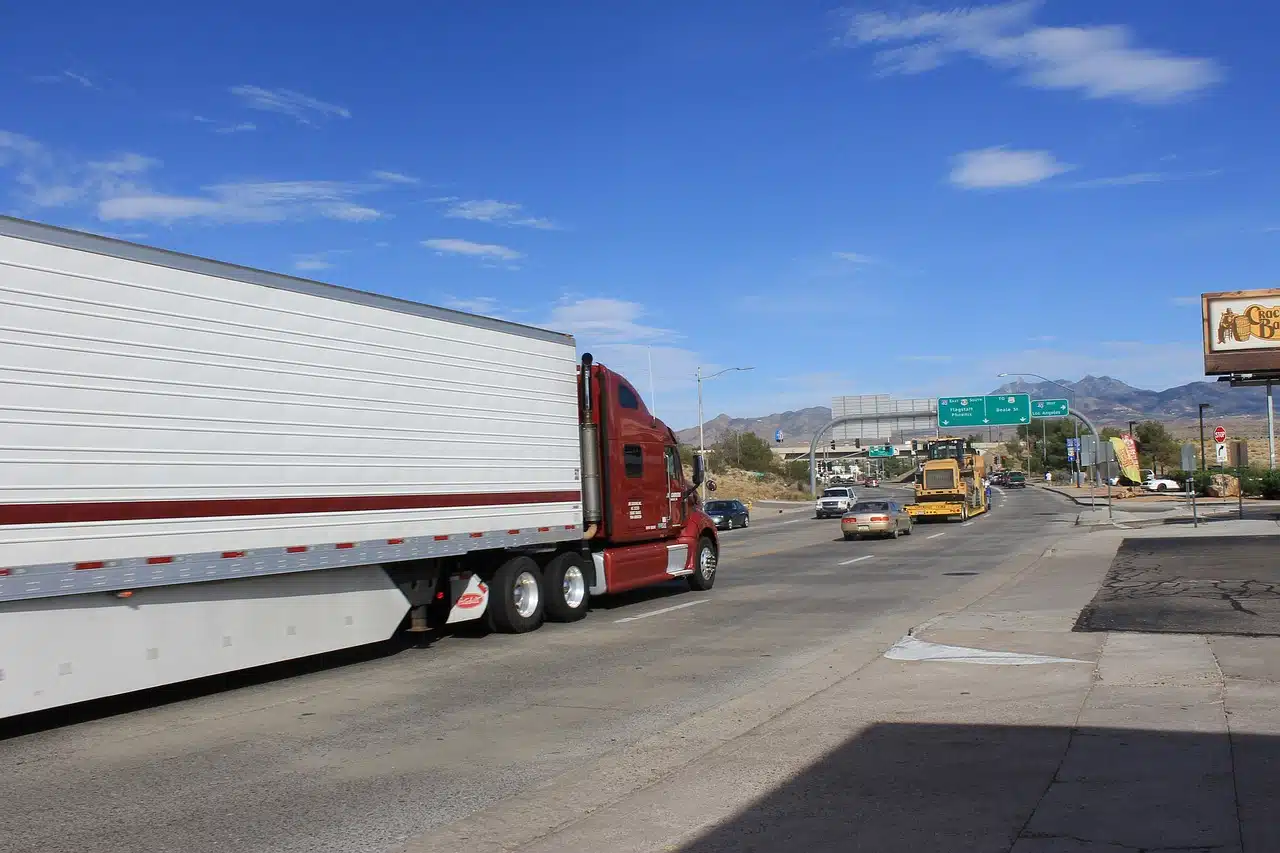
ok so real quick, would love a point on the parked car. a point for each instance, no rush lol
(1160, 484)
(728, 514)
(835, 501)
(1017, 480)
(876, 518)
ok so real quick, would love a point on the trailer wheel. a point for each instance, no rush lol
(704, 566)
(565, 582)
(516, 603)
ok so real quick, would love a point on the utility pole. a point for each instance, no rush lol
(1203, 458)
(702, 439)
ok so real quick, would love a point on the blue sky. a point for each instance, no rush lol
(889, 198)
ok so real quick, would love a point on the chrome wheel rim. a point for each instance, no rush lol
(707, 563)
(526, 594)
(575, 587)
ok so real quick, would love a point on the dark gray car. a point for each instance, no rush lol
(728, 514)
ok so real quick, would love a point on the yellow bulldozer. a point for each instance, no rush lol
(950, 483)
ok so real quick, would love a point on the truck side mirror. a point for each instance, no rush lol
(699, 470)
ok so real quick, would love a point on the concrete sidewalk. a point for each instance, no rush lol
(987, 724)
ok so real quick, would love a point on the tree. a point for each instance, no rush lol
(1157, 447)
(745, 451)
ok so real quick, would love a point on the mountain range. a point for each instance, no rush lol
(1105, 400)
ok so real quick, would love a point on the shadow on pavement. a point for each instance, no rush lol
(918, 788)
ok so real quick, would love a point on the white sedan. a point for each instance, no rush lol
(1156, 484)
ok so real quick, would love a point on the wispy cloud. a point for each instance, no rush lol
(853, 257)
(394, 177)
(302, 108)
(458, 246)
(1042, 339)
(1184, 301)
(262, 202)
(1099, 61)
(1000, 167)
(123, 189)
(1135, 178)
(485, 305)
(496, 212)
(242, 127)
(606, 321)
(66, 77)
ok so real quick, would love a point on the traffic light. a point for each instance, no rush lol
(857, 443)
(833, 444)
(915, 446)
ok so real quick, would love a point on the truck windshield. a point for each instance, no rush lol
(836, 493)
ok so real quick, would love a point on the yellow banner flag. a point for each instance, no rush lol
(1127, 458)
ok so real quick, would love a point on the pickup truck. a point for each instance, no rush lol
(1017, 480)
(835, 501)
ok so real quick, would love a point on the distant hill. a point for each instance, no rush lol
(1104, 399)
(1109, 400)
(799, 425)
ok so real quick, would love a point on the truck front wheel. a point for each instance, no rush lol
(516, 602)
(704, 566)
(565, 582)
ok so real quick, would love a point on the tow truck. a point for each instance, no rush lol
(950, 483)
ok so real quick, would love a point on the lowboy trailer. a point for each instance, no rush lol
(207, 468)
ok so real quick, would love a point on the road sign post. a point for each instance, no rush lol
(984, 411)
(1050, 409)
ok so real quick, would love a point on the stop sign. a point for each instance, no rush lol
(1220, 434)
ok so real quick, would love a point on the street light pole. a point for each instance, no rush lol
(1075, 422)
(1203, 458)
(702, 438)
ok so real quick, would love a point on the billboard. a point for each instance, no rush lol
(1241, 331)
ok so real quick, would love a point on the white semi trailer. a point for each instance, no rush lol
(205, 468)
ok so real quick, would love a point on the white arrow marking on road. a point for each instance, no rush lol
(912, 649)
(935, 536)
(857, 560)
(659, 612)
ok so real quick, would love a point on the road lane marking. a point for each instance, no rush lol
(935, 536)
(659, 612)
(857, 560)
(794, 521)
(966, 524)
(910, 648)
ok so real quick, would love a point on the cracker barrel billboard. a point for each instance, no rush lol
(1241, 331)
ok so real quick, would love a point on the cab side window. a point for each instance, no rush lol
(673, 464)
(633, 460)
(627, 398)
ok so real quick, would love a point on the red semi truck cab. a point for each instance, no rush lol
(644, 521)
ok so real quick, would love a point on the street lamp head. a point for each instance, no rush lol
(1001, 375)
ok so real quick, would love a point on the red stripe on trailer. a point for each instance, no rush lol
(158, 561)
(544, 529)
(232, 555)
(295, 549)
(441, 538)
(476, 535)
(345, 545)
(513, 532)
(94, 564)
(4, 573)
(395, 541)
(73, 513)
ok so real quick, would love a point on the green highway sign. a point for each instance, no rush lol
(1049, 409)
(882, 452)
(1001, 410)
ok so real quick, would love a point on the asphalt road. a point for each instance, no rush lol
(362, 757)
